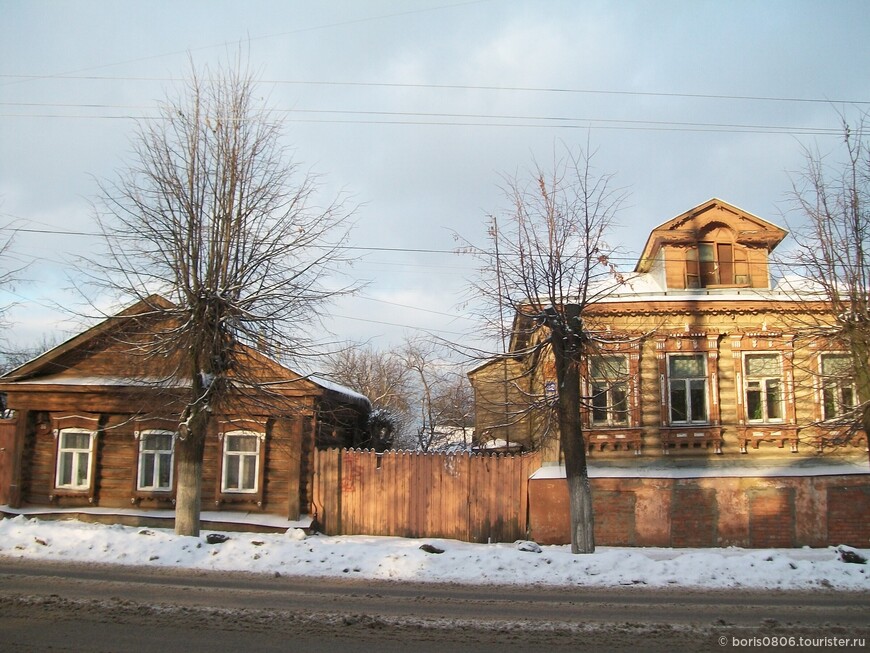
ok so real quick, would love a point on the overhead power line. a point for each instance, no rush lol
(249, 39)
(66, 232)
(561, 120)
(469, 87)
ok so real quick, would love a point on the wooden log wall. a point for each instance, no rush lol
(475, 498)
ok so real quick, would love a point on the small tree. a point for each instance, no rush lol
(382, 377)
(442, 395)
(8, 277)
(548, 261)
(831, 196)
(213, 212)
(454, 408)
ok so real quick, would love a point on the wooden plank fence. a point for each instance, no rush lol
(470, 497)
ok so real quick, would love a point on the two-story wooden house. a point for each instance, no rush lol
(709, 400)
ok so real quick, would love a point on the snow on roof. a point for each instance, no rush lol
(347, 393)
(498, 443)
(118, 381)
(646, 287)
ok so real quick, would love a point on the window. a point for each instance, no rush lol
(155, 461)
(838, 387)
(763, 387)
(241, 462)
(74, 454)
(693, 273)
(609, 385)
(687, 379)
(709, 269)
(716, 264)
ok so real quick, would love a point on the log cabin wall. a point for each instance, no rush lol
(283, 483)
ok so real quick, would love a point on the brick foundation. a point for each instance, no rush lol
(761, 512)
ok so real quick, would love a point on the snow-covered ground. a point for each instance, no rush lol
(398, 559)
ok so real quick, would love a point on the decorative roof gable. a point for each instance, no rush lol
(690, 227)
(106, 355)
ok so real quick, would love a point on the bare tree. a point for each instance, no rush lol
(383, 377)
(419, 357)
(442, 396)
(213, 212)
(18, 356)
(549, 260)
(831, 196)
(5, 274)
(9, 275)
(454, 410)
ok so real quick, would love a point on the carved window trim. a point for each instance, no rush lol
(630, 350)
(233, 428)
(682, 343)
(753, 433)
(682, 434)
(143, 426)
(73, 423)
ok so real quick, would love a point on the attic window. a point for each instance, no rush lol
(716, 264)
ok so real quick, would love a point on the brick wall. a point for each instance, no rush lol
(848, 515)
(697, 522)
(703, 512)
(614, 517)
(771, 518)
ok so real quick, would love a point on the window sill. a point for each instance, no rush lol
(691, 436)
(61, 492)
(155, 495)
(240, 498)
(777, 432)
(619, 438)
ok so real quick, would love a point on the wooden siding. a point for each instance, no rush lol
(7, 453)
(727, 322)
(476, 498)
(115, 469)
(501, 389)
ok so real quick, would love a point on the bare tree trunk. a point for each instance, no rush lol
(567, 344)
(189, 453)
(188, 495)
(576, 472)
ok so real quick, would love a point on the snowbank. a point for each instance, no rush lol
(399, 559)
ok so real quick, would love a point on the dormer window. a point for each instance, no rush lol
(714, 245)
(711, 264)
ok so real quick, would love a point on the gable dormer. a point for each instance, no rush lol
(714, 245)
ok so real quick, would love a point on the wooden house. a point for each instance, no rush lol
(699, 367)
(96, 422)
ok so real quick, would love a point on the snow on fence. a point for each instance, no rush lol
(470, 497)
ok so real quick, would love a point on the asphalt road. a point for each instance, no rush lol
(53, 607)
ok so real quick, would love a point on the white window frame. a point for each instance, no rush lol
(763, 389)
(839, 383)
(687, 385)
(75, 454)
(238, 459)
(159, 462)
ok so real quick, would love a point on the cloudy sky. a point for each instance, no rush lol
(417, 108)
